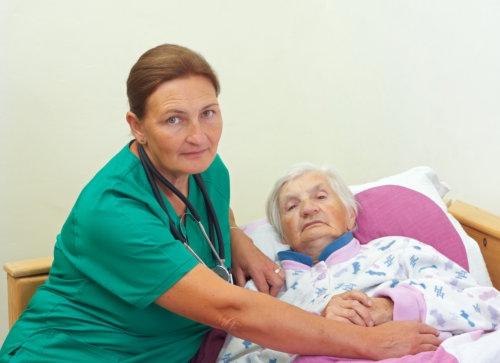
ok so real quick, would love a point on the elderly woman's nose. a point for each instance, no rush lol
(308, 206)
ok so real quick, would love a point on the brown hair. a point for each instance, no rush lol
(160, 64)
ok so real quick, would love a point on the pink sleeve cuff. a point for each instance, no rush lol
(409, 303)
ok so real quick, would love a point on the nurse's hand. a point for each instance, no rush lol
(249, 262)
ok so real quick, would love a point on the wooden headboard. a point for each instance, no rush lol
(24, 277)
(484, 227)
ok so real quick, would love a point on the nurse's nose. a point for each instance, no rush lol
(196, 134)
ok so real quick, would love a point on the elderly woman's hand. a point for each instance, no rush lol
(358, 308)
(381, 310)
(250, 262)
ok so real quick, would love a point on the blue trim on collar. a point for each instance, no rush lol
(309, 261)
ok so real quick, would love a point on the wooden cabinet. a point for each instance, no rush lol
(23, 278)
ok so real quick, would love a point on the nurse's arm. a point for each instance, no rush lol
(203, 296)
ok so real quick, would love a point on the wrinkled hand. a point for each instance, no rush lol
(381, 310)
(250, 262)
(358, 308)
(400, 338)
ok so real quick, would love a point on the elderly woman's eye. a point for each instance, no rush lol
(291, 207)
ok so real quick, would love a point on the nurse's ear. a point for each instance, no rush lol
(136, 127)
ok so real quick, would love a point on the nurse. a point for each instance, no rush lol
(141, 269)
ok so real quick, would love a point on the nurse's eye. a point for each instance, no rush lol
(207, 113)
(174, 120)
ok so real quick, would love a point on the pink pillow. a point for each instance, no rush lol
(393, 210)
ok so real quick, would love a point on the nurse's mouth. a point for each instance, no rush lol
(194, 154)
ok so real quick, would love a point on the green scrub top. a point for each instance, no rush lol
(114, 256)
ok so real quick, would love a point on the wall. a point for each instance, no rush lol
(372, 88)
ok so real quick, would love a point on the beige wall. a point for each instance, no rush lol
(371, 87)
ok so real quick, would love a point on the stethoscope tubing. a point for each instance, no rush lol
(213, 220)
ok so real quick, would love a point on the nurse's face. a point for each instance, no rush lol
(181, 127)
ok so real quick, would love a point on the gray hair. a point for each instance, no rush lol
(336, 182)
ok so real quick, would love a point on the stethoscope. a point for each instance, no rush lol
(213, 222)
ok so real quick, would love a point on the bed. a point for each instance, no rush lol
(410, 203)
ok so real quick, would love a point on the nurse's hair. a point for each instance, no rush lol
(164, 63)
(336, 182)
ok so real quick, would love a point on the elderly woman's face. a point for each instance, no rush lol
(182, 126)
(312, 215)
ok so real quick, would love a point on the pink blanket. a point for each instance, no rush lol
(477, 347)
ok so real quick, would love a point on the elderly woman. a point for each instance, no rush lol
(329, 272)
(137, 266)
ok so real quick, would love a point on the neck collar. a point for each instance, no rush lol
(309, 261)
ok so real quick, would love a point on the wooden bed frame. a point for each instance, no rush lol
(24, 277)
